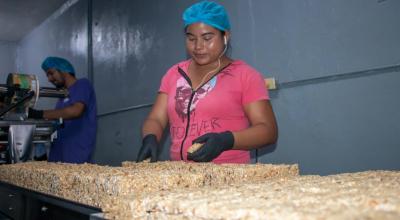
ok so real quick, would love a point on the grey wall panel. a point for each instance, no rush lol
(134, 43)
(7, 59)
(63, 34)
(118, 138)
(294, 40)
(340, 126)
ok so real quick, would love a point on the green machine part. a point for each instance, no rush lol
(19, 85)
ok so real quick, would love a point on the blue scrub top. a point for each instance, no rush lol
(76, 141)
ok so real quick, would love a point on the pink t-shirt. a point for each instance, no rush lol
(215, 107)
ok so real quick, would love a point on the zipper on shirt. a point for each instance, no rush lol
(190, 102)
(188, 122)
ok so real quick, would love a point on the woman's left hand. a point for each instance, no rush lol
(213, 145)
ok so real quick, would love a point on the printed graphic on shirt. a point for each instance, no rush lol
(195, 129)
(184, 92)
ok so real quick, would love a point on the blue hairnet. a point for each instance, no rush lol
(209, 13)
(59, 64)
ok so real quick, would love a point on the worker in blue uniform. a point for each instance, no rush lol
(76, 140)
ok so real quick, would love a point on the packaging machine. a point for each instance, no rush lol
(18, 136)
(18, 133)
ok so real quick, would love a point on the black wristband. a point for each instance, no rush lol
(149, 138)
(36, 114)
(229, 139)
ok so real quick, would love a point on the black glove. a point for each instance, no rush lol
(35, 114)
(214, 145)
(149, 148)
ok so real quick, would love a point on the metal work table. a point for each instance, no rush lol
(22, 204)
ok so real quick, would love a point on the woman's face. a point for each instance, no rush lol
(204, 43)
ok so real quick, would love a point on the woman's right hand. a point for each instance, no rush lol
(149, 149)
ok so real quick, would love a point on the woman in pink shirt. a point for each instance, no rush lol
(210, 98)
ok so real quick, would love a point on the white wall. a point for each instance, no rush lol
(7, 59)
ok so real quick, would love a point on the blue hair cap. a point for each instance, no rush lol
(209, 13)
(59, 64)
